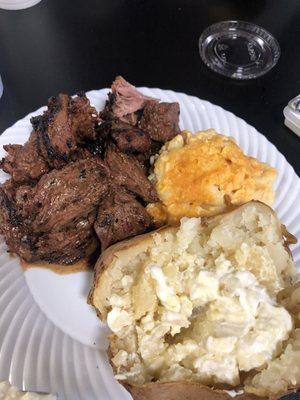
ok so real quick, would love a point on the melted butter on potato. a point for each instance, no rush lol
(197, 175)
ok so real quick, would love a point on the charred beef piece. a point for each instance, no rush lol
(66, 123)
(15, 223)
(127, 171)
(64, 197)
(124, 101)
(84, 118)
(70, 245)
(19, 197)
(53, 220)
(130, 139)
(56, 137)
(81, 153)
(160, 121)
(155, 147)
(97, 147)
(120, 216)
(24, 163)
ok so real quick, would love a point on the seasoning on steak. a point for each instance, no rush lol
(65, 196)
(81, 153)
(127, 171)
(120, 216)
(24, 163)
(160, 121)
(14, 220)
(130, 139)
(84, 117)
(56, 138)
(68, 246)
(124, 101)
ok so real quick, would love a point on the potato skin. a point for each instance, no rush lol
(181, 390)
(117, 250)
(189, 390)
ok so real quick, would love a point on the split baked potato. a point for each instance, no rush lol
(209, 309)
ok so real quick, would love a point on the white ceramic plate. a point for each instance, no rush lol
(49, 337)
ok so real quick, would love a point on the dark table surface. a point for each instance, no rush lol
(67, 46)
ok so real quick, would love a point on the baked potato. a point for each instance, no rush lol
(208, 309)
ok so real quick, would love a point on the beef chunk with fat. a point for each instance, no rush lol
(24, 163)
(124, 102)
(160, 121)
(120, 216)
(127, 171)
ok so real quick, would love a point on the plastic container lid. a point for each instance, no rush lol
(239, 50)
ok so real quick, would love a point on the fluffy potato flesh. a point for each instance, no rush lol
(199, 303)
(284, 371)
(281, 373)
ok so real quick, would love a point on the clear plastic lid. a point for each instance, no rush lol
(238, 49)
